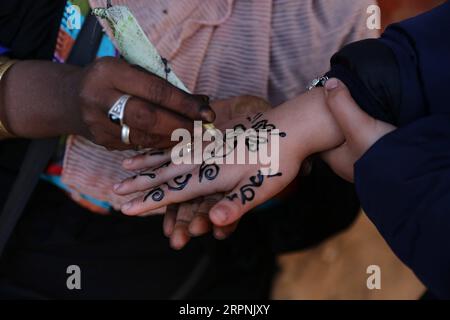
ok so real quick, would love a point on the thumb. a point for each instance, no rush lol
(352, 120)
(341, 160)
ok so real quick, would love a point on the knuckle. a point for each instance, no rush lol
(146, 118)
(102, 65)
(89, 118)
(195, 103)
(158, 92)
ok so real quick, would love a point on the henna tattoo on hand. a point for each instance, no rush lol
(180, 181)
(152, 174)
(247, 192)
(231, 197)
(254, 141)
(208, 171)
(164, 165)
(156, 194)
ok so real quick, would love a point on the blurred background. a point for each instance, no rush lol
(336, 269)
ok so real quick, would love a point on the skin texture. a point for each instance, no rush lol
(309, 127)
(360, 130)
(44, 99)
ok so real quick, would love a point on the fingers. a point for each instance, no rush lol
(152, 119)
(190, 219)
(150, 125)
(201, 223)
(180, 235)
(106, 133)
(249, 194)
(221, 233)
(352, 120)
(152, 178)
(181, 189)
(138, 82)
(359, 128)
(169, 220)
(147, 160)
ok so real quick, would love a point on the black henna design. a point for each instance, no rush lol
(208, 171)
(247, 192)
(263, 125)
(231, 197)
(253, 142)
(164, 165)
(154, 153)
(157, 194)
(180, 184)
(255, 117)
(151, 175)
(278, 174)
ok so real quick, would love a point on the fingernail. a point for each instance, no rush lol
(331, 84)
(117, 186)
(221, 214)
(205, 98)
(128, 161)
(126, 206)
(207, 114)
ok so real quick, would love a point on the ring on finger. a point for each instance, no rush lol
(125, 134)
(117, 112)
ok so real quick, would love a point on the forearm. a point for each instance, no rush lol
(37, 100)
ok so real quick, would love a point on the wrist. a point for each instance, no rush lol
(70, 89)
(310, 126)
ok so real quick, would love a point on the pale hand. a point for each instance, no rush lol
(245, 186)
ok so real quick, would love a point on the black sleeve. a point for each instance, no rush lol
(370, 71)
(29, 27)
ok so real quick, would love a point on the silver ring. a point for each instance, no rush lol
(117, 112)
(125, 134)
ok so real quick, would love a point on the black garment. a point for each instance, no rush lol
(29, 27)
(127, 257)
(403, 179)
(370, 70)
